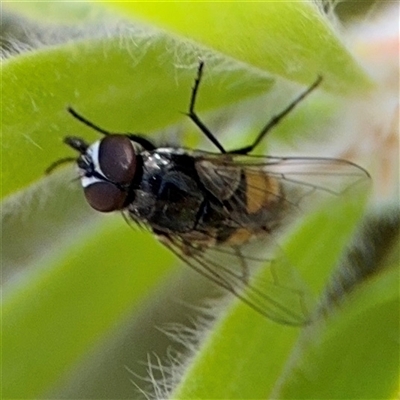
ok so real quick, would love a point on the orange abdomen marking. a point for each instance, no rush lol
(262, 191)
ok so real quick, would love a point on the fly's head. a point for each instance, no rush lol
(107, 169)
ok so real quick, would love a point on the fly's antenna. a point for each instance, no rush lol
(77, 144)
(85, 121)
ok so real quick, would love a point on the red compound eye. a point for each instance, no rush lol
(105, 196)
(117, 159)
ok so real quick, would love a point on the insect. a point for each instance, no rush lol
(213, 210)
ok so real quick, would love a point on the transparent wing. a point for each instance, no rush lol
(298, 180)
(290, 183)
(245, 185)
(271, 287)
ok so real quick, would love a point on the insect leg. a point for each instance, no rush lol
(277, 118)
(192, 114)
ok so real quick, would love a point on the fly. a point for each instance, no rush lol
(213, 210)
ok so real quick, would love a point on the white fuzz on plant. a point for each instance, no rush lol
(165, 375)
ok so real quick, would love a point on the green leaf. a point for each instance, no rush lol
(355, 356)
(289, 39)
(52, 12)
(72, 300)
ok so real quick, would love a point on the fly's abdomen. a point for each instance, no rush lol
(256, 207)
(263, 193)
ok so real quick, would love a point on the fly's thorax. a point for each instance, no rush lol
(168, 197)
